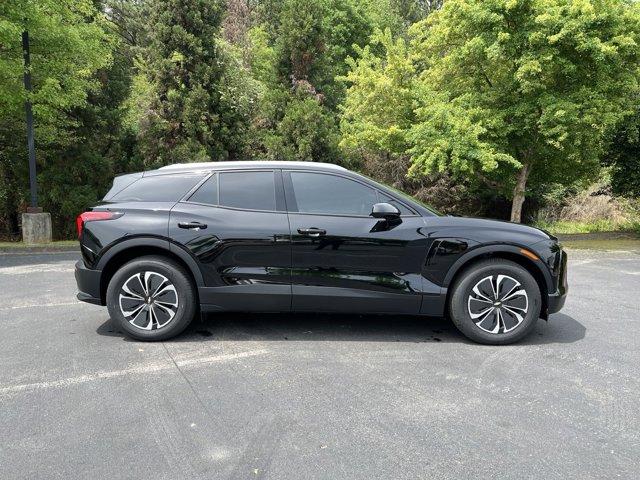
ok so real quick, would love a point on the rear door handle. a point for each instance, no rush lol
(192, 225)
(312, 232)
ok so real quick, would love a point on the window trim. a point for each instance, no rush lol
(291, 196)
(278, 190)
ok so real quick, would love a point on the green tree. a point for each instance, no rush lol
(297, 51)
(198, 111)
(69, 45)
(377, 115)
(312, 40)
(520, 90)
(306, 132)
(378, 109)
(623, 155)
(79, 173)
(412, 11)
(128, 21)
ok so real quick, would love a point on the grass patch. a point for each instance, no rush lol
(59, 243)
(626, 244)
(594, 226)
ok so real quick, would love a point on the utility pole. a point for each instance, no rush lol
(33, 185)
(36, 225)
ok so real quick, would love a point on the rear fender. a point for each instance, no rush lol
(154, 243)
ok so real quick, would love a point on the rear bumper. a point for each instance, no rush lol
(88, 282)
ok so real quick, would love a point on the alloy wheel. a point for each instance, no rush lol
(498, 304)
(148, 300)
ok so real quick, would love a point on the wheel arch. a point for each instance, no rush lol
(507, 252)
(138, 247)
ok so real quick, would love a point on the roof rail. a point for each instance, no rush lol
(247, 163)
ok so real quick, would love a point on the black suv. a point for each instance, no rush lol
(305, 237)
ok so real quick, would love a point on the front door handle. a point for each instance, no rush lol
(192, 225)
(312, 232)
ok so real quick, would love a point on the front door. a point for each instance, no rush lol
(345, 260)
(236, 227)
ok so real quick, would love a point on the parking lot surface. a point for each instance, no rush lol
(317, 396)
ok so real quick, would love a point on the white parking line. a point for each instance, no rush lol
(37, 268)
(141, 370)
(598, 266)
(40, 305)
(581, 262)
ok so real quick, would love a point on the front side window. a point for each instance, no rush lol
(331, 194)
(403, 195)
(387, 199)
(248, 190)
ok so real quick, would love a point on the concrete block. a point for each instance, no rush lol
(36, 228)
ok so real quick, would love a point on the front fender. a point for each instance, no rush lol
(493, 249)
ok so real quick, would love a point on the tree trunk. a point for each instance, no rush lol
(518, 193)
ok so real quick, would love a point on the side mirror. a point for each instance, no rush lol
(385, 210)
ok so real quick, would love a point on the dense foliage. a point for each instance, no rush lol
(472, 105)
(623, 156)
(69, 45)
(504, 90)
(197, 110)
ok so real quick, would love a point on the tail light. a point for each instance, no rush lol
(92, 217)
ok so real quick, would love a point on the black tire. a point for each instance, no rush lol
(510, 328)
(185, 296)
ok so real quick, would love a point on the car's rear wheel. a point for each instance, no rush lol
(495, 302)
(151, 298)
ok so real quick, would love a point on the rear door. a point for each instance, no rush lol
(236, 227)
(345, 260)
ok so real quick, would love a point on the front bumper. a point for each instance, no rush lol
(88, 282)
(555, 301)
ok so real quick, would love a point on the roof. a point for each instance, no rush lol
(189, 167)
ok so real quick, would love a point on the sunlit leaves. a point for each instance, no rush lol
(68, 45)
(378, 110)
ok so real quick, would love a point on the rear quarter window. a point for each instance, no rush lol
(120, 183)
(161, 188)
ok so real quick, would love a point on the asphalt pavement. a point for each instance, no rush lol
(315, 396)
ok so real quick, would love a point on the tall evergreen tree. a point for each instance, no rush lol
(298, 51)
(197, 112)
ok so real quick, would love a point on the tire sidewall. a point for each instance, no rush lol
(184, 288)
(463, 287)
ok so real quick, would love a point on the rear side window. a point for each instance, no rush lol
(161, 188)
(207, 192)
(331, 195)
(248, 190)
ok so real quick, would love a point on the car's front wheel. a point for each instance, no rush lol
(495, 302)
(151, 298)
